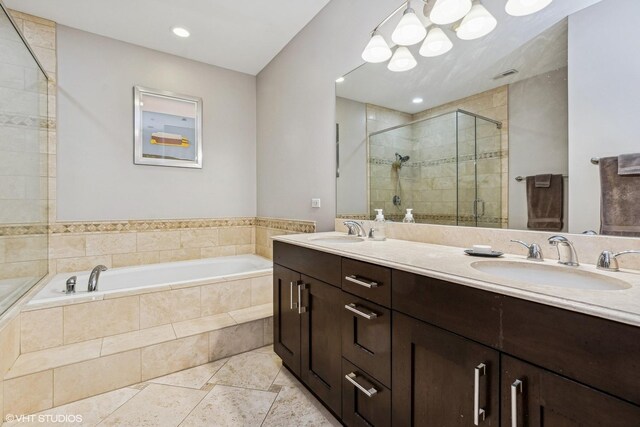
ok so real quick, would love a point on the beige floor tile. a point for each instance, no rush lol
(203, 324)
(252, 313)
(286, 379)
(297, 407)
(268, 349)
(156, 405)
(231, 406)
(137, 339)
(173, 356)
(42, 360)
(236, 339)
(192, 378)
(249, 370)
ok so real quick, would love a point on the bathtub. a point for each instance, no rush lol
(147, 277)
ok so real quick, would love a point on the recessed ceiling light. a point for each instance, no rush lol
(417, 100)
(339, 79)
(181, 32)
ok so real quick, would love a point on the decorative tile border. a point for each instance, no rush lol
(448, 160)
(287, 225)
(23, 229)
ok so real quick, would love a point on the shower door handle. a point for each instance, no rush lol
(476, 202)
(482, 202)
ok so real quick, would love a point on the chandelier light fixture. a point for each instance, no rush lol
(469, 19)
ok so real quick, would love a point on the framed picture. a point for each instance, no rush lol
(167, 128)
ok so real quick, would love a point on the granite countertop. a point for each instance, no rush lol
(452, 264)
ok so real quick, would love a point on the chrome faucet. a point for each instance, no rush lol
(566, 252)
(93, 278)
(535, 253)
(609, 261)
(355, 228)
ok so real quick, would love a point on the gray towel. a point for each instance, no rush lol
(619, 201)
(543, 181)
(629, 164)
(545, 204)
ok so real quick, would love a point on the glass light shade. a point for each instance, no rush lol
(410, 29)
(377, 50)
(402, 60)
(478, 23)
(437, 43)
(446, 12)
(525, 7)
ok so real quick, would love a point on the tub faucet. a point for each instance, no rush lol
(93, 278)
(566, 252)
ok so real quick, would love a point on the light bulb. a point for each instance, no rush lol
(449, 11)
(181, 32)
(339, 79)
(377, 50)
(437, 43)
(417, 100)
(410, 29)
(478, 23)
(525, 7)
(402, 60)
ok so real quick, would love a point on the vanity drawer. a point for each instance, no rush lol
(365, 402)
(366, 336)
(319, 265)
(368, 281)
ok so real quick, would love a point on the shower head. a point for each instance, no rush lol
(402, 159)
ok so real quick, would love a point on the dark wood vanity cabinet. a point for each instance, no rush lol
(384, 347)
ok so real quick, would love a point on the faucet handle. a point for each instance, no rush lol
(535, 253)
(71, 285)
(608, 261)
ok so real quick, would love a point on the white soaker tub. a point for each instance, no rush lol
(153, 275)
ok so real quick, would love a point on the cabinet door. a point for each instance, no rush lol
(442, 379)
(533, 397)
(321, 343)
(286, 318)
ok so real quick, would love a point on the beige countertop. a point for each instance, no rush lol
(452, 264)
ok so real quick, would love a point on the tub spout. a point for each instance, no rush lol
(93, 278)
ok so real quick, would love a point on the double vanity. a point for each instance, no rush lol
(405, 333)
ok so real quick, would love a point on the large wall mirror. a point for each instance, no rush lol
(503, 131)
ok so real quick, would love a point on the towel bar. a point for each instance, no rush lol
(522, 178)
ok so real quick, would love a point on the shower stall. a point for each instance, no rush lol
(450, 169)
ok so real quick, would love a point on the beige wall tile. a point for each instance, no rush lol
(252, 313)
(245, 249)
(28, 394)
(226, 296)
(96, 376)
(199, 238)
(11, 270)
(217, 251)
(1, 401)
(137, 339)
(158, 240)
(203, 324)
(164, 307)
(9, 345)
(179, 255)
(25, 248)
(268, 331)
(236, 339)
(66, 246)
(173, 356)
(111, 243)
(66, 265)
(39, 35)
(40, 329)
(138, 258)
(262, 290)
(235, 236)
(101, 318)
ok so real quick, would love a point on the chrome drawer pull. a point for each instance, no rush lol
(301, 308)
(368, 284)
(292, 305)
(354, 309)
(515, 388)
(352, 379)
(478, 412)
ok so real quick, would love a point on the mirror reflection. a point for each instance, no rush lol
(494, 131)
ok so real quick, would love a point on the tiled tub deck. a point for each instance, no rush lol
(70, 350)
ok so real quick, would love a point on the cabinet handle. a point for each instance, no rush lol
(301, 308)
(368, 284)
(367, 392)
(354, 309)
(478, 412)
(515, 388)
(292, 305)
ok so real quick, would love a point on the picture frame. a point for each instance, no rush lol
(167, 128)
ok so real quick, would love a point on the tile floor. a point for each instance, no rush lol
(249, 389)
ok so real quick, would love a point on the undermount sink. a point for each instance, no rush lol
(557, 276)
(337, 239)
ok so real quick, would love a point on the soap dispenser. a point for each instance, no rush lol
(408, 218)
(377, 230)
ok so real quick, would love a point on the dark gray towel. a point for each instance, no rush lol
(620, 200)
(543, 181)
(545, 204)
(629, 164)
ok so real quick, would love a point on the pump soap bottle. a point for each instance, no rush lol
(377, 231)
(408, 218)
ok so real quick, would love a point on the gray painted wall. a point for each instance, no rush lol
(296, 110)
(604, 66)
(96, 177)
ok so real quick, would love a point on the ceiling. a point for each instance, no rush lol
(241, 36)
(533, 45)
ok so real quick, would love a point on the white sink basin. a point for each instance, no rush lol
(558, 276)
(337, 239)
